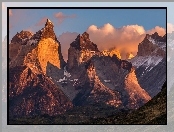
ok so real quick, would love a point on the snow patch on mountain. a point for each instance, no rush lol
(67, 74)
(146, 61)
(152, 40)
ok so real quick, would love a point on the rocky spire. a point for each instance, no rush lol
(81, 50)
(49, 23)
(48, 31)
(82, 42)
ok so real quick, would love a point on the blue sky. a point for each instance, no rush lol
(78, 20)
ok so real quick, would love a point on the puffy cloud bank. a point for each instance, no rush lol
(125, 39)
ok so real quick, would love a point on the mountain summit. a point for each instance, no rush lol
(41, 48)
(81, 50)
(150, 63)
(31, 91)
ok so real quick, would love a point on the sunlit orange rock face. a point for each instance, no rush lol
(31, 92)
(41, 48)
(81, 50)
(46, 51)
(34, 94)
(129, 56)
(115, 52)
(138, 96)
(110, 52)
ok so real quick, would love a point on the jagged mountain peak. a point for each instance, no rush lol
(19, 37)
(83, 42)
(41, 48)
(49, 22)
(85, 35)
(152, 45)
(81, 50)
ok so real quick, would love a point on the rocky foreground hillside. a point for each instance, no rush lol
(92, 84)
(153, 112)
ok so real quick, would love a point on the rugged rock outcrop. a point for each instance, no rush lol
(152, 45)
(81, 50)
(137, 95)
(92, 85)
(122, 63)
(17, 41)
(107, 82)
(31, 91)
(152, 77)
(22, 36)
(150, 63)
(33, 94)
(41, 48)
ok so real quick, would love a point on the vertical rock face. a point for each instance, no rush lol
(17, 41)
(31, 92)
(81, 50)
(146, 47)
(138, 96)
(152, 44)
(93, 90)
(150, 63)
(43, 47)
(110, 83)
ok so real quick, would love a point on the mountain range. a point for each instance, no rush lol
(42, 83)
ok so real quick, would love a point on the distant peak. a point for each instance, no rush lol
(85, 35)
(21, 35)
(155, 33)
(49, 22)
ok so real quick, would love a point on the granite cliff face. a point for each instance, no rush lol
(107, 82)
(150, 63)
(81, 50)
(31, 91)
(138, 96)
(152, 45)
(32, 94)
(41, 48)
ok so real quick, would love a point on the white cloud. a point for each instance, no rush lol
(125, 39)
(161, 31)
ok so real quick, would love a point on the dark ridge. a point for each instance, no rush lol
(82, 42)
(18, 38)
